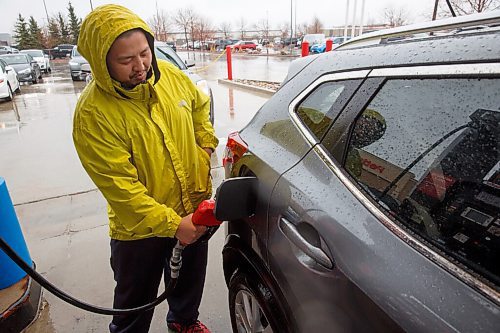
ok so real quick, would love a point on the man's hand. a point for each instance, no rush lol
(187, 232)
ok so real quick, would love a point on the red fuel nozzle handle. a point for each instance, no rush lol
(204, 214)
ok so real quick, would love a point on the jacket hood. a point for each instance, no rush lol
(98, 32)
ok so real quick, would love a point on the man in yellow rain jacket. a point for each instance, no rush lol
(142, 132)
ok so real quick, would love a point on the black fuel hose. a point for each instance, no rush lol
(75, 302)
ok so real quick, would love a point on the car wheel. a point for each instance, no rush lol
(251, 306)
(49, 70)
(11, 95)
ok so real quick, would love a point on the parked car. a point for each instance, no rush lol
(75, 65)
(61, 51)
(8, 81)
(244, 45)
(220, 44)
(376, 203)
(165, 52)
(4, 49)
(313, 39)
(26, 67)
(41, 58)
(172, 45)
(286, 41)
(336, 42)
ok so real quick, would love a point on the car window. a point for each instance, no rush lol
(166, 53)
(320, 108)
(16, 59)
(428, 151)
(34, 53)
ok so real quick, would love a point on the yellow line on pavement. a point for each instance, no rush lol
(201, 69)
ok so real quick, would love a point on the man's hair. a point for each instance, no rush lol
(129, 32)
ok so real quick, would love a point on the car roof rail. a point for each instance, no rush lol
(464, 23)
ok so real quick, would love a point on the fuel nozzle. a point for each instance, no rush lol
(204, 215)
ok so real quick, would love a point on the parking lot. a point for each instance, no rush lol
(64, 217)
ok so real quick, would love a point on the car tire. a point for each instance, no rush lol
(49, 70)
(11, 95)
(252, 306)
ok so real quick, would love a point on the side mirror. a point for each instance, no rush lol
(236, 198)
(189, 63)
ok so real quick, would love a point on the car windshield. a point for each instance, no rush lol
(15, 59)
(76, 53)
(33, 53)
(166, 53)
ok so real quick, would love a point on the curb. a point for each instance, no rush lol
(265, 91)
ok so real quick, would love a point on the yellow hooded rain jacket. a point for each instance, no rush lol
(141, 147)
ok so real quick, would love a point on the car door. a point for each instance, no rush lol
(339, 239)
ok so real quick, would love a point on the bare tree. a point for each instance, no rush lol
(315, 27)
(203, 29)
(285, 29)
(225, 27)
(242, 24)
(160, 24)
(185, 19)
(464, 7)
(395, 17)
(302, 29)
(263, 28)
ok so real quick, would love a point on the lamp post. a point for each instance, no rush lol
(291, 25)
(46, 12)
(346, 19)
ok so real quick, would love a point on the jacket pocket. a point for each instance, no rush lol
(203, 178)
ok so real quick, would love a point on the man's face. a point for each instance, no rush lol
(129, 59)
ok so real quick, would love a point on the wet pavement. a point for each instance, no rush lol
(63, 216)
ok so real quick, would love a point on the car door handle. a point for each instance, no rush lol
(291, 232)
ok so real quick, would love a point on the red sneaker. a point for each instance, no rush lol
(196, 327)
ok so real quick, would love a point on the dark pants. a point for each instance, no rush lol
(138, 265)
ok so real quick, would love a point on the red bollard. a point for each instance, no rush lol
(229, 64)
(305, 49)
(329, 45)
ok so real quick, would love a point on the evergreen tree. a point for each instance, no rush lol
(21, 33)
(35, 34)
(74, 24)
(54, 33)
(63, 28)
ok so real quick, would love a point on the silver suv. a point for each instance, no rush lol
(377, 204)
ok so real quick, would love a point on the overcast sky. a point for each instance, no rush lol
(330, 12)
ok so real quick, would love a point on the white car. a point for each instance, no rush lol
(41, 58)
(8, 81)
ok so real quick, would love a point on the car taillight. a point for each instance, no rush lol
(235, 148)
